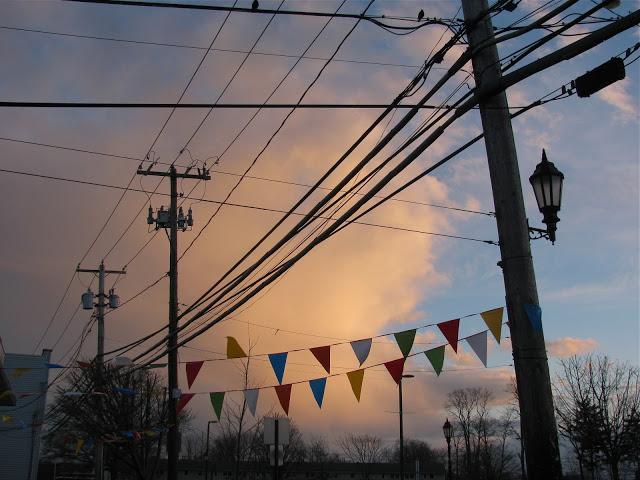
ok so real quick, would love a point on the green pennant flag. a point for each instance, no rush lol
(405, 341)
(436, 357)
(217, 399)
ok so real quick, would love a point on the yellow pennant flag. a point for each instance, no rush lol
(234, 350)
(493, 319)
(18, 372)
(7, 418)
(79, 445)
(355, 379)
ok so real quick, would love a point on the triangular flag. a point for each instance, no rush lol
(8, 393)
(234, 350)
(79, 445)
(53, 365)
(125, 391)
(436, 357)
(317, 387)
(361, 348)
(534, 312)
(405, 341)
(217, 399)
(284, 395)
(251, 397)
(493, 319)
(395, 368)
(478, 343)
(82, 364)
(278, 362)
(323, 355)
(182, 401)
(18, 372)
(192, 371)
(450, 331)
(355, 379)
(7, 418)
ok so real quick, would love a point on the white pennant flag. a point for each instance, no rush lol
(251, 397)
(361, 348)
(478, 343)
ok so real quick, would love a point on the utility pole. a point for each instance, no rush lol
(173, 219)
(114, 302)
(529, 354)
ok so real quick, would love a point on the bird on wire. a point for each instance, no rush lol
(420, 14)
(255, 5)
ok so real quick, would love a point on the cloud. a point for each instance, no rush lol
(569, 346)
(617, 96)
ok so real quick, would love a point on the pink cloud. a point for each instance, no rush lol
(569, 346)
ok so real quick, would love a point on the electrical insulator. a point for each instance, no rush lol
(87, 300)
(181, 220)
(150, 216)
(114, 300)
(190, 218)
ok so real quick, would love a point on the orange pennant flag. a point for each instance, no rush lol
(355, 379)
(234, 350)
(493, 319)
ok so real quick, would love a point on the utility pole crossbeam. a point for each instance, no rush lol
(529, 354)
(173, 221)
(100, 308)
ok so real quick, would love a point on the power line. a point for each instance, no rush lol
(239, 205)
(223, 172)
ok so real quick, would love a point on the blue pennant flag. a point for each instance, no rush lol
(278, 362)
(125, 391)
(534, 312)
(53, 365)
(317, 387)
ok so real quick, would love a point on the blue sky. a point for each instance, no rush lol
(365, 281)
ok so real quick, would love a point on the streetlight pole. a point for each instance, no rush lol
(206, 459)
(447, 428)
(401, 425)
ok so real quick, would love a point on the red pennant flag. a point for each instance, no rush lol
(323, 355)
(182, 401)
(284, 395)
(192, 371)
(396, 367)
(450, 331)
(83, 364)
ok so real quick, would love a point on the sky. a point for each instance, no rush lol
(363, 282)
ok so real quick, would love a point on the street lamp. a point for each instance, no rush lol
(447, 429)
(401, 425)
(206, 458)
(547, 187)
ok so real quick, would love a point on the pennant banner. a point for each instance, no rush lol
(125, 391)
(7, 418)
(234, 350)
(53, 365)
(534, 312)
(436, 358)
(284, 395)
(251, 397)
(323, 355)
(278, 362)
(395, 368)
(317, 388)
(478, 343)
(217, 399)
(192, 371)
(450, 331)
(493, 319)
(79, 445)
(361, 348)
(355, 379)
(182, 401)
(18, 372)
(82, 364)
(405, 341)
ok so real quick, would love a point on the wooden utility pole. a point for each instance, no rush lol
(98, 457)
(529, 354)
(173, 221)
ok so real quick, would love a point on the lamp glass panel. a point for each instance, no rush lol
(537, 190)
(546, 190)
(556, 190)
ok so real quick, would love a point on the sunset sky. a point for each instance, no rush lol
(363, 282)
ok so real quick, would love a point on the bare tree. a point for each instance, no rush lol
(363, 449)
(597, 402)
